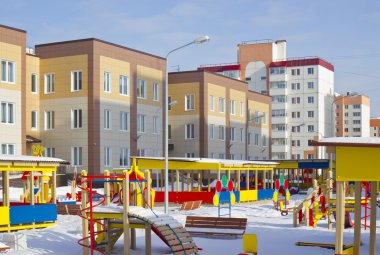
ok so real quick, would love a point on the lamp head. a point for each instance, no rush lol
(202, 39)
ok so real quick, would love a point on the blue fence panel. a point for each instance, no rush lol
(33, 213)
(265, 194)
(313, 165)
(225, 196)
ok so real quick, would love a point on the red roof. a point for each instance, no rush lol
(304, 62)
(217, 69)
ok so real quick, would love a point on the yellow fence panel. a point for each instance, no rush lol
(248, 195)
(4, 215)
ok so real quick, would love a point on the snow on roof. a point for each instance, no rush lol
(32, 159)
(348, 141)
(224, 162)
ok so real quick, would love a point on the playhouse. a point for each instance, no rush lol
(37, 206)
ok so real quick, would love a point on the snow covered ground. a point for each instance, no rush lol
(275, 233)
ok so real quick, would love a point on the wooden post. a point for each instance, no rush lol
(295, 217)
(208, 180)
(199, 180)
(272, 179)
(247, 180)
(372, 227)
(218, 174)
(340, 208)
(107, 188)
(148, 240)
(54, 188)
(228, 174)
(148, 185)
(31, 184)
(358, 215)
(42, 188)
(192, 180)
(133, 239)
(238, 180)
(328, 197)
(188, 181)
(177, 179)
(183, 181)
(84, 205)
(125, 212)
(256, 180)
(264, 183)
(6, 188)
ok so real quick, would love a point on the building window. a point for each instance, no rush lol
(211, 132)
(189, 102)
(310, 70)
(241, 109)
(156, 125)
(169, 132)
(221, 155)
(169, 103)
(296, 86)
(141, 89)
(7, 149)
(124, 120)
(7, 113)
(212, 103)
(264, 118)
(140, 123)
(356, 129)
(49, 152)
(310, 128)
(249, 138)
(241, 135)
(49, 83)
(107, 82)
(141, 152)
(189, 155)
(296, 72)
(356, 106)
(265, 140)
(356, 114)
(8, 71)
(34, 120)
(49, 120)
(124, 157)
(310, 114)
(296, 143)
(107, 156)
(107, 119)
(232, 107)
(189, 131)
(296, 129)
(123, 85)
(76, 156)
(356, 121)
(222, 133)
(257, 117)
(296, 115)
(76, 80)
(76, 118)
(310, 85)
(277, 70)
(310, 100)
(34, 83)
(232, 134)
(296, 100)
(257, 138)
(156, 91)
(222, 104)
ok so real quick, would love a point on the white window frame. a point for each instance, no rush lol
(189, 131)
(76, 118)
(7, 75)
(34, 115)
(189, 155)
(222, 104)
(212, 103)
(156, 91)
(242, 135)
(222, 133)
(124, 157)
(76, 80)
(107, 156)
(49, 120)
(124, 121)
(156, 126)
(256, 139)
(124, 85)
(241, 109)
(232, 107)
(189, 102)
(49, 83)
(310, 100)
(141, 152)
(76, 156)
(141, 89)
(34, 83)
(8, 115)
(212, 131)
(50, 152)
(107, 119)
(5, 148)
(232, 134)
(141, 123)
(107, 85)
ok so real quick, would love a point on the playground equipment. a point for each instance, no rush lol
(355, 159)
(250, 246)
(281, 203)
(224, 195)
(37, 209)
(105, 222)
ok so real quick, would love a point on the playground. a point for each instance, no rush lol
(217, 215)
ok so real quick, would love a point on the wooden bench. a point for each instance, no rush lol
(216, 225)
(190, 205)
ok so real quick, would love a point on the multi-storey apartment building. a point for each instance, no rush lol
(302, 93)
(375, 127)
(352, 115)
(88, 101)
(213, 116)
(12, 90)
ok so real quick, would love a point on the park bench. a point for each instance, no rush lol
(190, 205)
(216, 225)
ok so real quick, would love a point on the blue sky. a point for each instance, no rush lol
(345, 33)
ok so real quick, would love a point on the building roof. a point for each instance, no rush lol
(348, 142)
(31, 159)
(13, 28)
(220, 68)
(303, 62)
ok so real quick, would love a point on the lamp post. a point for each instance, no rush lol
(291, 137)
(199, 40)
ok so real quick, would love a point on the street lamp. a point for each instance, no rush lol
(198, 40)
(291, 132)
